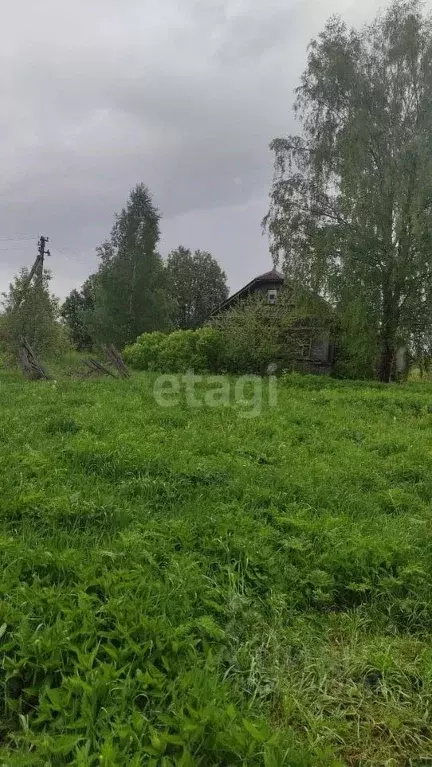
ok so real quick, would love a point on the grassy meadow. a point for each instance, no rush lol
(186, 586)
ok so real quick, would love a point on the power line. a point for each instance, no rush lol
(12, 250)
(18, 238)
(64, 251)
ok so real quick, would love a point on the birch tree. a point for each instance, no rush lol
(351, 201)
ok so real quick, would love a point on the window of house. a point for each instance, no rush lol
(320, 350)
(305, 348)
(272, 296)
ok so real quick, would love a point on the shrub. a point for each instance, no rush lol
(249, 338)
(246, 339)
(255, 335)
(178, 352)
(144, 353)
(198, 350)
(209, 350)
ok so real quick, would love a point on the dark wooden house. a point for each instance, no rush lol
(267, 285)
(308, 340)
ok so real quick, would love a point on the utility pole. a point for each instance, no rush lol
(41, 247)
(41, 255)
(39, 263)
(37, 268)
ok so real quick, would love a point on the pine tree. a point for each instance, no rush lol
(130, 295)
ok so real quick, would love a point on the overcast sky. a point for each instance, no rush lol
(184, 95)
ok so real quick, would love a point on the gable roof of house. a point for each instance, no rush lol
(272, 276)
(268, 277)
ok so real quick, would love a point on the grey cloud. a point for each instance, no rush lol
(184, 95)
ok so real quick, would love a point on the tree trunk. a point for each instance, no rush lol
(388, 335)
(386, 362)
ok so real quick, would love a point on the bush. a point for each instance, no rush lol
(177, 352)
(250, 338)
(246, 339)
(209, 350)
(144, 353)
(255, 335)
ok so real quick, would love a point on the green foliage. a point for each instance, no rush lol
(130, 288)
(74, 313)
(350, 203)
(250, 336)
(245, 339)
(255, 334)
(145, 352)
(209, 350)
(186, 587)
(420, 348)
(357, 347)
(36, 317)
(197, 285)
(177, 352)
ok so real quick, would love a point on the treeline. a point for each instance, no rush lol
(134, 291)
(350, 216)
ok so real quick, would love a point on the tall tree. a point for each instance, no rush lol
(130, 295)
(197, 285)
(351, 201)
(75, 312)
(36, 317)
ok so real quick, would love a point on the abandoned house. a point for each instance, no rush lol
(308, 339)
(266, 285)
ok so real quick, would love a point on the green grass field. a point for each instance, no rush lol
(185, 586)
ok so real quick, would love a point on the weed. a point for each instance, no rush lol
(190, 588)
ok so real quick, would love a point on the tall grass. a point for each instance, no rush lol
(185, 587)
